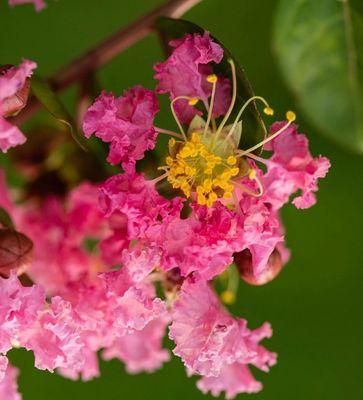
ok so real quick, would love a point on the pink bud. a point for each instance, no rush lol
(14, 104)
(243, 261)
(16, 252)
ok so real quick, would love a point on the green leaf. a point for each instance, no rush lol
(253, 127)
(46, 95)
(5, 219)
(319, 44)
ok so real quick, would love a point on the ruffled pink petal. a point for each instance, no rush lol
(204, 242)
(14, 78)
(125, 122)
(233, 379)
(8, 384)
(19, 309)
(184, 73)
(291, 168)
(10, 135)
(141, 350)
(55, 340)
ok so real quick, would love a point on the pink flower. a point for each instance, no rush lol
(131, 205)
(291, 167)
(184, 74)
(10, 135)
(3, 366)
(19, 309)
(141, 350)
(38, 4)
(11, 82)
(125, 122)
(55, 339)
(14, 79)
(203, 242)
(207, 338)
(58, 232)
(8, 384)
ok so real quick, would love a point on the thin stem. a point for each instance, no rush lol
(269, 138)
(105, 51)
(233, 100)
(241, 112)
(210, 111)
(168, 132)
(160, 178)
(176, 117)
(249, 191)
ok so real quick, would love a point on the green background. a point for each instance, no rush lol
(315, 304)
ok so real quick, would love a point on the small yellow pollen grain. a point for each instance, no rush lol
(231, 160)
(212, 78)
(207, 184)
(213, 197)
(290, 116)
(201, 200)
(228, 297)
(169, 161)
(193, 101)
(227, 195)
(268, 111)
(172, 142)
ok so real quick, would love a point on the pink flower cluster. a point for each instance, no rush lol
(99, 251)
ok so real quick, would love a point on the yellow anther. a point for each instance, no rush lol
(268, 111)
(234, 171)
(227, 195)
(193, 101)
(252, 174)
(169, 161)
(207, 184)
(200, 189)
(212, 78)
(213, 197)
(172, 142)
(201, 199)
(231, 160)
(228, 297)
(290, 116)
(208, 171)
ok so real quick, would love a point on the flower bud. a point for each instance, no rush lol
(243, 261)
(16, 252)
(12, 105)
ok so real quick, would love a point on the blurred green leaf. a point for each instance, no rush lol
(49, 99)
(5, 219)
(253, 127)
(319, 45)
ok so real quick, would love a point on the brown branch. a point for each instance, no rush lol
(105, 51)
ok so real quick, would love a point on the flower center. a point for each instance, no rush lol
(193, 167)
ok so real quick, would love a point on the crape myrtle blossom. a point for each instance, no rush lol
(14, 90)
(102, 250)
(126, 122)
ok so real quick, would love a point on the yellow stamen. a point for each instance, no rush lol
(193, 101)
(268, 111)
(212, 78)
(290, 116)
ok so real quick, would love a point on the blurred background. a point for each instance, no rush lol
(315, 305)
